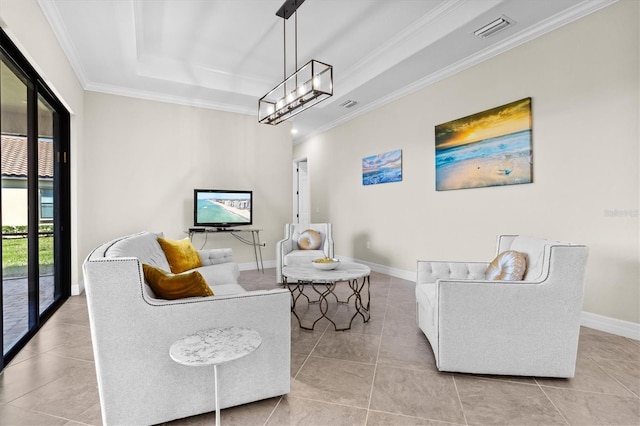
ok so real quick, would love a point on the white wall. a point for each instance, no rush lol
(585, 104)
(27, 27)
(144, 158)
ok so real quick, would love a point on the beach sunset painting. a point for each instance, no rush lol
(382, 168)
(490, 148)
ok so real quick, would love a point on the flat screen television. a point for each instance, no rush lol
(221, 208)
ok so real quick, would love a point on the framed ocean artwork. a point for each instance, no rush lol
(382, 168)
(490, 148)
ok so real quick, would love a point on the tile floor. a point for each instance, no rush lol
(381, 373)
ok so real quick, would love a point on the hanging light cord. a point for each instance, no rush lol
(296, 49)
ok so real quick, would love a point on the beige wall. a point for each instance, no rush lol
(144, 158)
(585, 94)
(27, 27)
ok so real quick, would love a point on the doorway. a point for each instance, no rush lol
(34, 200)
(301, 196)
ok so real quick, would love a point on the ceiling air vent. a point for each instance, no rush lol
(493, 27)
(348, 104)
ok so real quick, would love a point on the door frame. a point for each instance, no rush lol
(62, 200)
(299, 192)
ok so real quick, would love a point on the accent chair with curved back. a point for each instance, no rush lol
(480, 321)
(301, 247)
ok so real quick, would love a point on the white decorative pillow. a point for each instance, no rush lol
(309, 240)
(508, 266)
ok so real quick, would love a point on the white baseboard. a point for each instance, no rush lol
(611, 325)
(394, 272)
(77, 289)
(595, 321)
(251, 266)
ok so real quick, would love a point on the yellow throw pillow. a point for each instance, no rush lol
(181, 254)
(175, 286)
(309, 240)
(508, 266)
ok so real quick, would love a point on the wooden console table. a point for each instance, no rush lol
(236, 233)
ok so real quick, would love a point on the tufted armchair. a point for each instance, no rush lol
(289, 252)
(525, 328)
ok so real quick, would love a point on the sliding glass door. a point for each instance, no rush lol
(34, 201)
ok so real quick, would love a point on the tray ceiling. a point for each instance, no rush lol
(226, 54)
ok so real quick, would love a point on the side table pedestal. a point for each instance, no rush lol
(215, 346)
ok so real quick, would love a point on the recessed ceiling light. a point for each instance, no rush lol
(493, 27)
(294, 131)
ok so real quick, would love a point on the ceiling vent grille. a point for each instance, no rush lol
(348, 104)
(493, 27)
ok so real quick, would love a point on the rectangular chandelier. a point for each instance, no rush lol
(308, 86)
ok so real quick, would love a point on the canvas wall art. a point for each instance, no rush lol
(382, 168)
(490, 148)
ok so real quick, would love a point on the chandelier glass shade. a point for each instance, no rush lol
(308, 86)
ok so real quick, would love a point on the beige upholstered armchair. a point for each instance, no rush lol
(302, 244)
(525, 327)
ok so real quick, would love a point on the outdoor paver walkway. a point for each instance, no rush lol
(16, 308)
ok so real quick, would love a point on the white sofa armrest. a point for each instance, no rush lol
(283, 247)
(431, 271)
(286, 245)
(215, 256)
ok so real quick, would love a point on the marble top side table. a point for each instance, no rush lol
(215, 346)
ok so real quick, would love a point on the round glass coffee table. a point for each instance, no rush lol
(323, 282)
(215, 346)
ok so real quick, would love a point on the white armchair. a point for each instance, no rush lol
(289, 252)
(525, 328)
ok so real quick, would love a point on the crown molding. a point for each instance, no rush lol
(581, 10)
(162, 97)
(431, 27)
(52, 16)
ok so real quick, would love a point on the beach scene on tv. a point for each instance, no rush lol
(490, 148)
(223, 208)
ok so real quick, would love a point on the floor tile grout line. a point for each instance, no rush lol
(554, 405)
(375, 368)
(326, 358)
(312, 349)
(595, 361)
(272, 411)
(443, 422)
(42, 413)
(633, 396)
(329, 402)
(455, 385)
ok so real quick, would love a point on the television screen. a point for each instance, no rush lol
(222, 208)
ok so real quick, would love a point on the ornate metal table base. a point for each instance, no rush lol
(326, 288)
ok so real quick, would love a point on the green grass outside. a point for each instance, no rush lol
(14, 256)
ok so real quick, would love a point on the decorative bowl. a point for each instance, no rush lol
(325, 263)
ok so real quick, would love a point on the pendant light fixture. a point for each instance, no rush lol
(309, 85)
